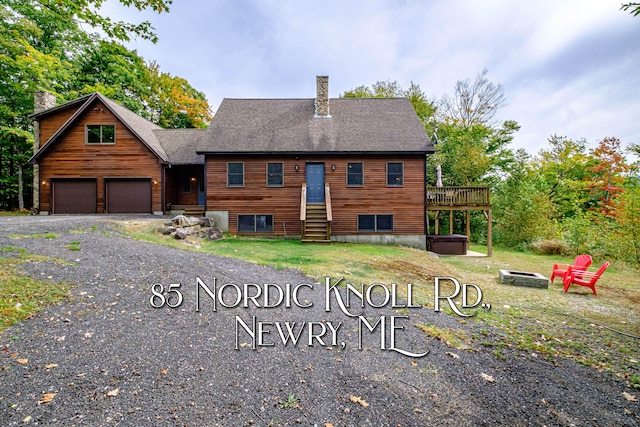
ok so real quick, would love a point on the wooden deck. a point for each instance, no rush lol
(458, 198)
(461, 199)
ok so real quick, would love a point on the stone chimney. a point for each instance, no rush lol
(322, 96)
(41, 101)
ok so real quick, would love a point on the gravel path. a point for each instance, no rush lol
(110, 358)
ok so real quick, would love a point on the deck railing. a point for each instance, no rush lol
(303, 202)
(457, 196)
(327, 201)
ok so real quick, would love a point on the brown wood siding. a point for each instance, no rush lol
(70, 157)
(51, 123)
(405, 203)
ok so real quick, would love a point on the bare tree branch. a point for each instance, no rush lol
(473, 103)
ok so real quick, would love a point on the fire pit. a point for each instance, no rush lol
(524, 278)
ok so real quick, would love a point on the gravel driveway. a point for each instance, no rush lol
(107, 357)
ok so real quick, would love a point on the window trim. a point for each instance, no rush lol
(86, 134)
(281, 174)
(375, 223)
(235, 185)
(255, 223)
(401, 175)
(361, 175)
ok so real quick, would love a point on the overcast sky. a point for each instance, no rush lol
(568, 67)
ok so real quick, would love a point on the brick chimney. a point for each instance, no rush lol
(41, 101)
(322, 96)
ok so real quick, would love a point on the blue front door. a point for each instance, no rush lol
(315, 182)
(202, 197)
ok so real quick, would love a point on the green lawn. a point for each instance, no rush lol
(23, 296)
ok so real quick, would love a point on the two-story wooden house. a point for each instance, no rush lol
(317, 169)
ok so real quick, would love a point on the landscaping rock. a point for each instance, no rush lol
(184, 221)
(181, 234)
(213, 233)
(207, 222)
(168, 230)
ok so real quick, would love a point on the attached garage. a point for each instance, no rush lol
(74, 196)
(128, 195)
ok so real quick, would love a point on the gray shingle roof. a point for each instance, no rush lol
(374, 125)
(138, 125)
(181, 145)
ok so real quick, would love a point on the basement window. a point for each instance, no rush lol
(100, 134)
(375, 223)
(255, 223)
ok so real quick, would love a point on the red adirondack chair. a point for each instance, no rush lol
(581, 262)
(584, 278)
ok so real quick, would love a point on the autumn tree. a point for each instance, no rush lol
(607, 175)
(174, 103)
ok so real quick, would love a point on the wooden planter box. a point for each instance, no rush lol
(448, 244)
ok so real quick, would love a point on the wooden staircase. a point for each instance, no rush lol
(316, 218)
(316, 227)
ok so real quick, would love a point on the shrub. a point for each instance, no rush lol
(550, 247)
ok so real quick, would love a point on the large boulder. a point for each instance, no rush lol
(184, 221)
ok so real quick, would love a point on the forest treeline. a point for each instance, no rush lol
(567, 198)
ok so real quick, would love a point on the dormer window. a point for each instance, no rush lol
(100, 134)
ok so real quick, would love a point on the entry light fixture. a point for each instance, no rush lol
(333, 167)
(297, 168)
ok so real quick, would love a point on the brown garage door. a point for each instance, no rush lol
(129, 196)
(74, 196)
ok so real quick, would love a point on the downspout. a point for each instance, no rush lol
(424, 198)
